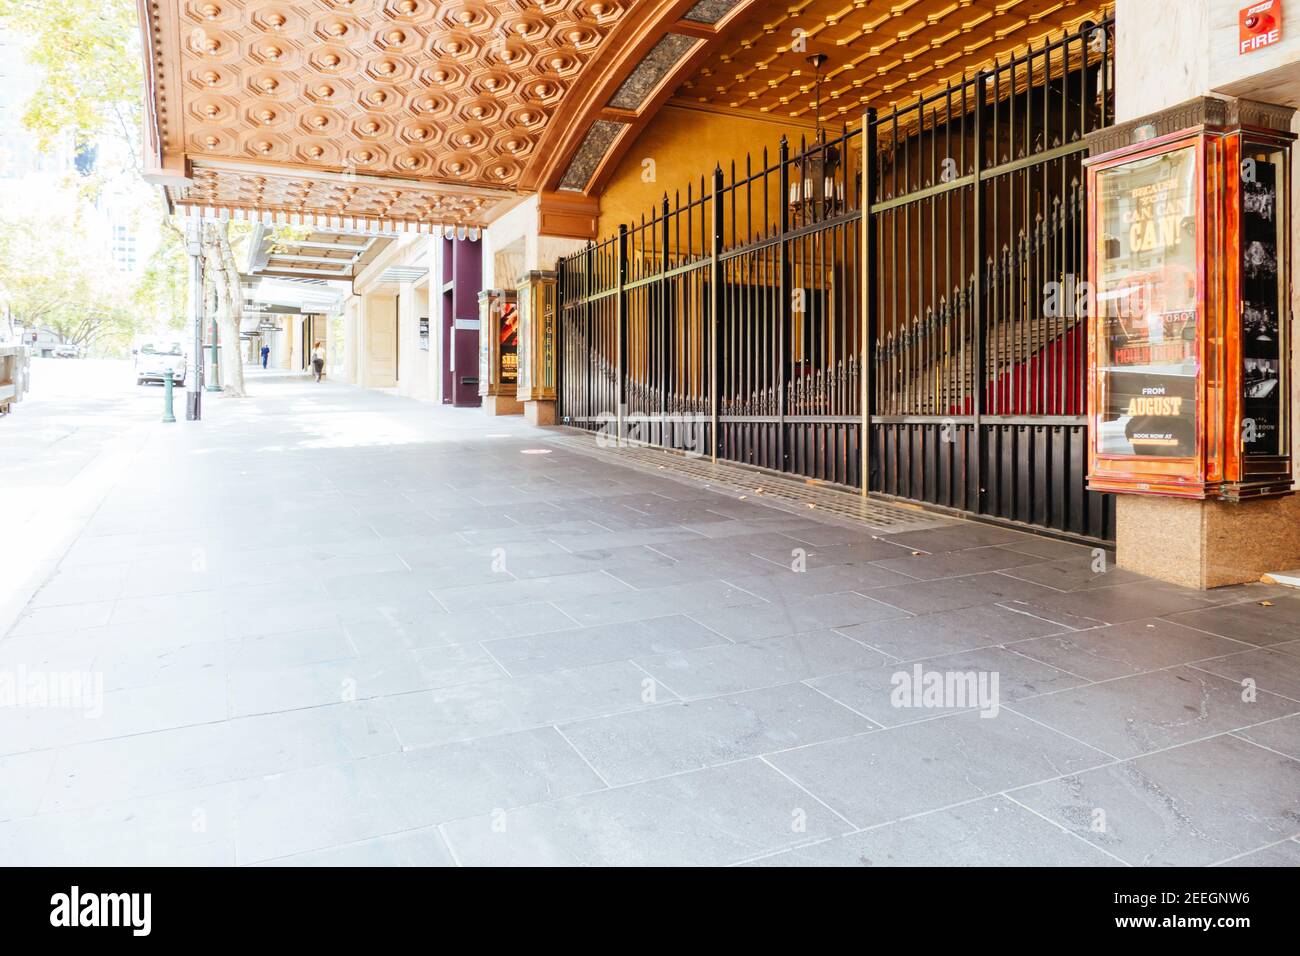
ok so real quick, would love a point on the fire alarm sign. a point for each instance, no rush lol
(1259, 25)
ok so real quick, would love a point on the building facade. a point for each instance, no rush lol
(854, 244)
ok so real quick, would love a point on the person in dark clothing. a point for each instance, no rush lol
(266, 354)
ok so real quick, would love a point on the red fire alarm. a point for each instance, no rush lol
(1259, 25)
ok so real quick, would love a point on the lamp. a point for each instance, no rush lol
(817, 191)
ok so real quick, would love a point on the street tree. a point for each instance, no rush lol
(90, 63)
(228, 301)
(51, 279)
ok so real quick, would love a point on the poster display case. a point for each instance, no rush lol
(499, 346)
(1188, 306)
(537, 343)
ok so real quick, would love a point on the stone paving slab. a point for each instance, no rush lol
(994, 831)
(327, 626)
(778, 492)
(1170, 808)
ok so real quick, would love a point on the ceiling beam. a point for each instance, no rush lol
(273, 272)
(358, 248)
(301, 258)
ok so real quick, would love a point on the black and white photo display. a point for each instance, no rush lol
(1260, 326)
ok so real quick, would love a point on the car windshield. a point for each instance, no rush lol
(150, 348)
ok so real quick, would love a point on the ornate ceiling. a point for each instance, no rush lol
(408, 88)
(420, 114)
(877, 53)
(415, 91)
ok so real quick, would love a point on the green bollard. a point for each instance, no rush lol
(168, 415)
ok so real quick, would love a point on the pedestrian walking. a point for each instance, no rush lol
(266, 354)
(318, 359)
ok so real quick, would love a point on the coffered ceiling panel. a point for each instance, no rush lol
(877, 52)
(389, 87)
(418, 90)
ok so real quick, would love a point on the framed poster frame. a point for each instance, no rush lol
(1235, 445)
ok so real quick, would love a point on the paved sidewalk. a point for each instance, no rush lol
(341, 627)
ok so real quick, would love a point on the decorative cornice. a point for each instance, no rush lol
(1269, 116)
(1210, 112)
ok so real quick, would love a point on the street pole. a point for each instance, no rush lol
(194, 387)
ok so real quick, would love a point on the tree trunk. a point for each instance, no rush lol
(230, 304)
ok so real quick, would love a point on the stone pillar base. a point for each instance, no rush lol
(539, 412)
(502, 405)
(1206, 544)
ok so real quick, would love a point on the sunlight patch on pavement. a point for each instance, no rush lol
(355, 430)
(58, 519)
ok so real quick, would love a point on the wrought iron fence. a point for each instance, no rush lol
(730, 320)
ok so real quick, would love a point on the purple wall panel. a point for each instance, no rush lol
(462, 279)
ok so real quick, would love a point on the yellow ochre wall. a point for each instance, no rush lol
(685, 144)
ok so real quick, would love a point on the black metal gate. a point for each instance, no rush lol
(729, 322)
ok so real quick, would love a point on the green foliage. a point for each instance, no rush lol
(161, 289)
(88, 55)
(48, 279)
(284, 235)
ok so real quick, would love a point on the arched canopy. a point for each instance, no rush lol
(406, 115)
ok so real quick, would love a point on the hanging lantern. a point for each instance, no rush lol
(815, 191)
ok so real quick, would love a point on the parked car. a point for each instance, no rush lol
(66, 350)
(153, 357)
